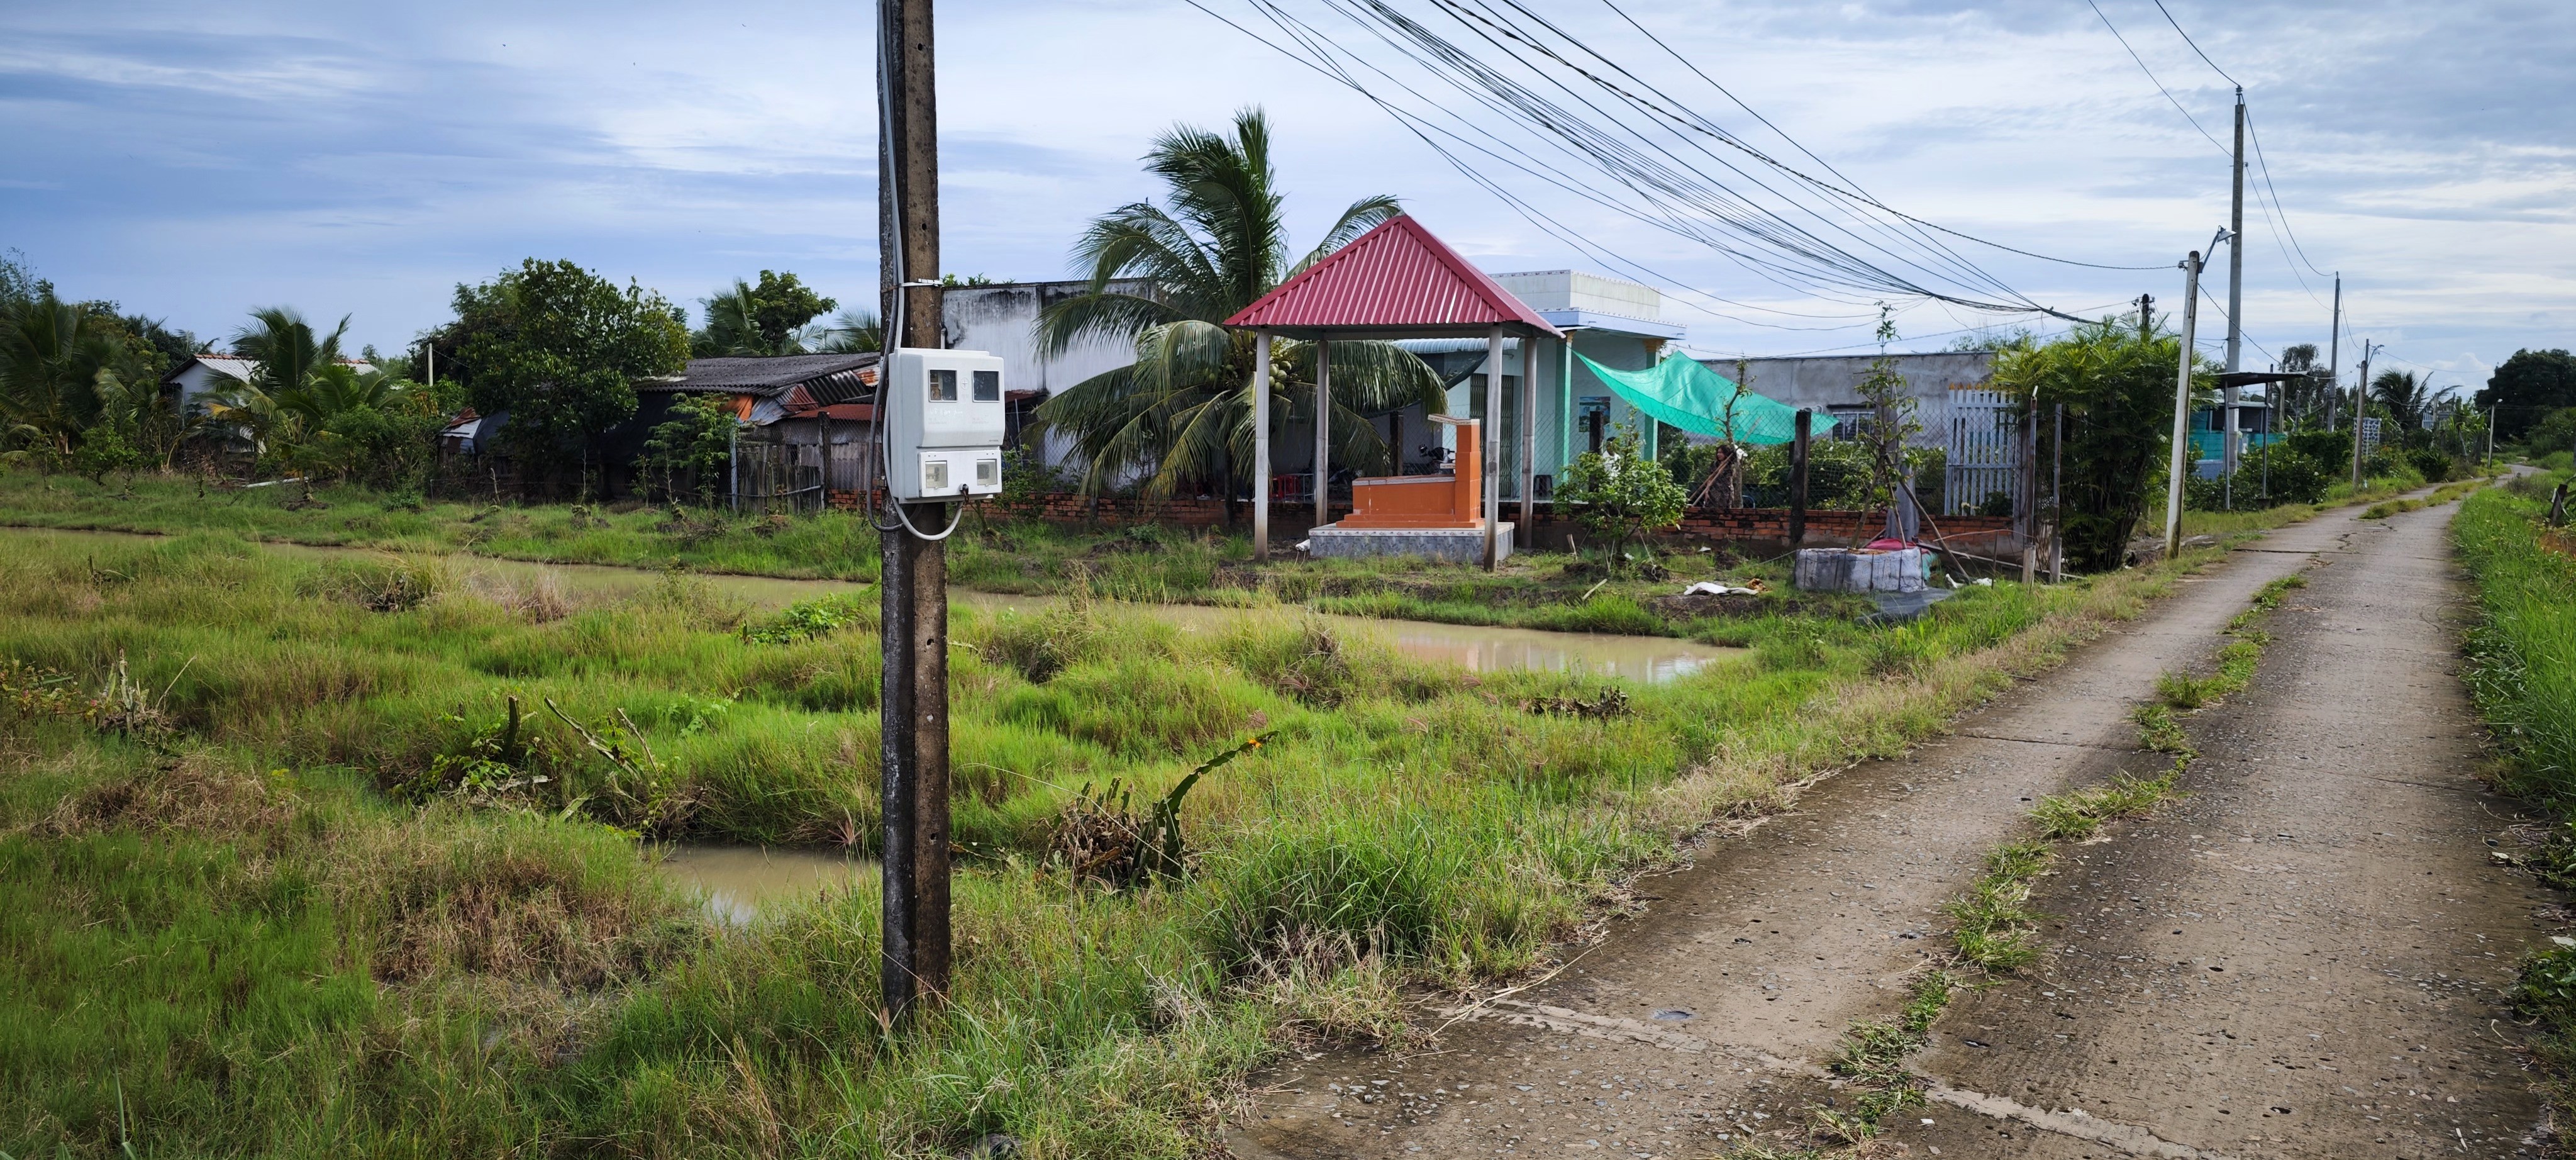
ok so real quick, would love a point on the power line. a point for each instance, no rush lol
(1670, 192)
(2151, 77)
(2195, 45)
(2266, 166)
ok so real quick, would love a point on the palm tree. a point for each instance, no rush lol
(853, 331)
(2408, 397)
(733, 328)
(1166, 280)
(53, 355)
(293, 374)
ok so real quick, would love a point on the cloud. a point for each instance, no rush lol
(353, 158)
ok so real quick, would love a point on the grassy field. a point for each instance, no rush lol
(287, 874)
(283, 879)
(1542, 590)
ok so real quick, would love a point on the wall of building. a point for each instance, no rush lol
(1832, 382)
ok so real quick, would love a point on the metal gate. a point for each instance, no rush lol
(777, 477)
(1985, 453)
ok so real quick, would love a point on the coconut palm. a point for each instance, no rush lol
(294, 375)
(853, 331)
(52, 356)
(1166, 279)
(2407, 396)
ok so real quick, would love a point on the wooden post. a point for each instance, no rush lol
(1491, 438)
(1324, 434)
(1798, 479)
(913, 582)
(1260, 445)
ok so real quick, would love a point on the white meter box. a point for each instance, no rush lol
(943, 417)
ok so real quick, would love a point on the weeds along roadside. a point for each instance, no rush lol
(1404, 824)
(1993, 930)
(2522, 673)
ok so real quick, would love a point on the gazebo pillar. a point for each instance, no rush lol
(1492, 438)
(1323, 433)
(1260, 445)
(1529, 437)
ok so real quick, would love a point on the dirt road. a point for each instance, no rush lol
(2371, 939)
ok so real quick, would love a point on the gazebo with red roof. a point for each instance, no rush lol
(1395, 281)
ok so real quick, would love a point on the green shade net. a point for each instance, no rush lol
(1682, 393)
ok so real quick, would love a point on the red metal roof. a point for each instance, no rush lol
(1396, 280)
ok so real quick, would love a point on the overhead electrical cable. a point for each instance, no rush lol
(1322, 62)
(1810, 235)
(2151, 78)
(2195, 45)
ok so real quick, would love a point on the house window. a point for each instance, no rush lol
(943, 386)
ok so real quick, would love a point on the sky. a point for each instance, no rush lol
(194, 161)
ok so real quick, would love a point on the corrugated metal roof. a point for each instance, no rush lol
(748, 375)
(1396, 277)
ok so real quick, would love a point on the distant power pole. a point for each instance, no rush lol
(912, 703)
(2146, 316)
(2360, 412)
(2227, 454)
(2334, 356)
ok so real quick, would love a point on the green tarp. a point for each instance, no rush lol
(1685, 394)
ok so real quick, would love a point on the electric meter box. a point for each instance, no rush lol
(943, 417)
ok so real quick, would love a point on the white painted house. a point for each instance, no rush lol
(206, 373)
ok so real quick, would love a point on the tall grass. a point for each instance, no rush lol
(2523, 650)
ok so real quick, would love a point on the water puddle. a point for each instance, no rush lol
(1472, 647)
(735, 882)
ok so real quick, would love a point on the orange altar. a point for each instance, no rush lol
(1397, 502)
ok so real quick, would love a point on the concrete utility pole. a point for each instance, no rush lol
(2334, 356)
(2181, 462)
(2227, 454)
(2146, 315)
(913, 584)
(2360, 411)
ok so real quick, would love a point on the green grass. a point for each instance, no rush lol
(2522, 672)
(1139, 563)
(421, 948)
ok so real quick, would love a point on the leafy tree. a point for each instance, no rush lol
(695, 443)
(1895, 423)
(760, 320)
(2557, 432)
(1619, 493)
(2118, 388)
(1182, 412)
(2527, 387)
(560, 349)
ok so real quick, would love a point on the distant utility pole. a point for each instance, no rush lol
(2181, 462)
(913, 580)
(2360, 412)
(2146, 316)
(2227, 453)
(2334, 356)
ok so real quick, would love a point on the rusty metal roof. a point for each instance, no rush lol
(1395, 281)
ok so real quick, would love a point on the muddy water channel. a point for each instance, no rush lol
(1472, 647)
(737, 882)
